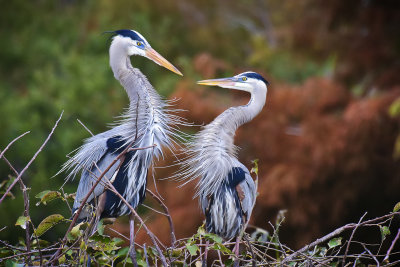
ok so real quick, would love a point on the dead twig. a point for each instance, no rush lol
(392, 246)
(32, 159)
(84, 126)
(335, 233)
(351, 237)
(167, 214)
(12, 142)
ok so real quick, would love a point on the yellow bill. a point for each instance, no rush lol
(218, 82)
(156, 57)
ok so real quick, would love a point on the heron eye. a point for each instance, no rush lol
(139, 44)
(244, 78)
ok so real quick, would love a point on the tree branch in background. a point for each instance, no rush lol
(33, 158)
(337, 232)
(24, 189)
(171, 224)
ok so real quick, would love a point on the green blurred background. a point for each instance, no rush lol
(53, 57)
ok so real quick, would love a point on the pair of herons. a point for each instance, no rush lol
(225, 188)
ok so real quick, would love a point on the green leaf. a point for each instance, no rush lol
(83, 245)
(47, 196)
(213, 237)
(102, 243)
(394, 109)
(75, 232)
(123, 252)
(176, 252)
(48, 223)
(201, 231)
(118, 241)
(228, 262)
(396, 207)
(41, 194)
(255, 167)
(335, 242)
(222, 248)
(322, 251)
(42, 243)
(62, 259)
(192, 249)
(11, 263)
(396, 150)
(70, 197)
(100, 227)
(384, 231)
(22, 221)
(141, 262)
(4, 252)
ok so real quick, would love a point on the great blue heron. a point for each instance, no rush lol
(226, 190)
(147, 122)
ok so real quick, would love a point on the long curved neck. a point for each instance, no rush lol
(234, 117)
(133, 80)
(119, 59)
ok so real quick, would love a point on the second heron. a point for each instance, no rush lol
(226, 190)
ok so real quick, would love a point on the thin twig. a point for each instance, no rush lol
(335, 233)
(153, 209)
(28, 253)
(38, 244)
(372, 255)
(9, 144)
(351, 237)
(253, 261)
(33, 158)
(392, 245)
(171, 224)
(86, 128)
(145, 254)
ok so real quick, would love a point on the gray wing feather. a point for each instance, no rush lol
(249, 189)
(89, 178)
(85, 157)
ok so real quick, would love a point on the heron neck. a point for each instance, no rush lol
(119, 60)
(133, 81)
(231, 119)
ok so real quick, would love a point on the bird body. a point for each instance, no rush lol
(148, 123)
(225, 189)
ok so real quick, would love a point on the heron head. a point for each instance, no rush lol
(136, 44)
(246, 81)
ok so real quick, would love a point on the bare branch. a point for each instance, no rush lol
(171, 225)
(32, 159)
(84, 126)
(351, 237)
(392, 245)
(12, 142)
(335, 233)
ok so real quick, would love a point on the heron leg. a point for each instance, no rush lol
(236, 251)
(132, 252)
(204, 264)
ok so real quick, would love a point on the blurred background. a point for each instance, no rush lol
(326, 140)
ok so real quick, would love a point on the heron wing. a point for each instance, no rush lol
(246, 191)
(104, 153)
